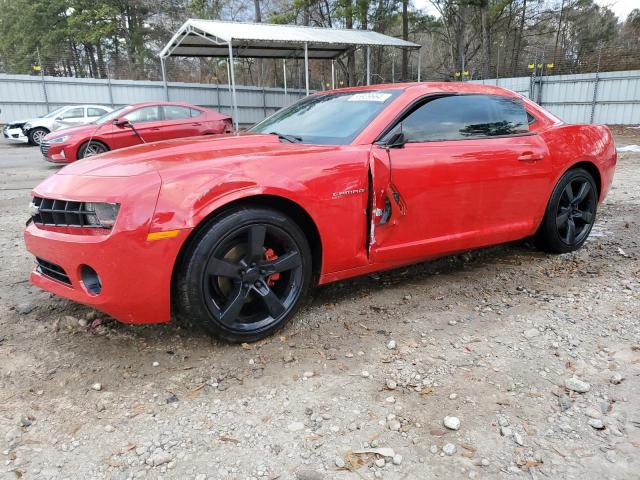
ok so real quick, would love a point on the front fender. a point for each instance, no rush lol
(184, 204)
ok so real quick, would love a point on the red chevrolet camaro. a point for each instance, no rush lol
(133, 125)
(232, 231)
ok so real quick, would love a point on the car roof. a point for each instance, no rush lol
(150, 104)
(433, 87)
(86, 105)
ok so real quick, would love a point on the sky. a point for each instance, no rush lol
(621, 8)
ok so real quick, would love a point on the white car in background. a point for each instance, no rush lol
(35, 129)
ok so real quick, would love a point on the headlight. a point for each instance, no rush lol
(59, 139)
(101, 214)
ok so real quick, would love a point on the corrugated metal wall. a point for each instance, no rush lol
(24, 96)
(605, 97)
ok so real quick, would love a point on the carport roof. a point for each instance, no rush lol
(210, 38)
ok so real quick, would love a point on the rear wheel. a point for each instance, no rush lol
(36, 135)
(244, 275)
(570, 213)
(89, 149)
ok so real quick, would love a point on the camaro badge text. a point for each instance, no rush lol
(348, 192)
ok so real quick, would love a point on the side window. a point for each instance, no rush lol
(195, 112)
(460, 117)
(530, 119)
(95, 112)
(175, 112)
(144, 114)
(72, 113)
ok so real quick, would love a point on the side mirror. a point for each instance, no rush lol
(121, 122)
(396, 140)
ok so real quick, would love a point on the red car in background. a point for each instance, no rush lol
(133, 125)
(232, 231)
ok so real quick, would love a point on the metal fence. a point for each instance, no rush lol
(606, 97)
(26, 96)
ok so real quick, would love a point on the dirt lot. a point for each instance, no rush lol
(488, 337)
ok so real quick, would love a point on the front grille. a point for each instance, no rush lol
(44, 148)
(63, 213)
(52, 270)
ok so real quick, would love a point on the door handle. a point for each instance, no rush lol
(196, 124)
(530, 157)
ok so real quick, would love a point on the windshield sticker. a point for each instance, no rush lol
(369, 97)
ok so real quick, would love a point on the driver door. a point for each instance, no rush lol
(71, 117)
(147, 122)
(468, 174)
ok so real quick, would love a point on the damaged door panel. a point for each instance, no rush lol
(386, 206)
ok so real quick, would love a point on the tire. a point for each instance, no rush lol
(35, 135)
(570, 213)
(90, 149)
(244, 275)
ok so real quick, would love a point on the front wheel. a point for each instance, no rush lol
(570, 213)
(89, 149)
(244, 275)
(36, 135)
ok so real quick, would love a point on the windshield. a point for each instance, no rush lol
(111, 115)
(54, 113)
(327, 119)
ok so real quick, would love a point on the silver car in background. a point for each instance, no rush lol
(35, 129)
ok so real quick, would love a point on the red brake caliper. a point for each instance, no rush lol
(270, 256)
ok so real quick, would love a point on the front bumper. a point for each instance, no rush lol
(14, 134)
(135, 273)
(57, 152)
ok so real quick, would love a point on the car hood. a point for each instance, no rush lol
(17, 122)
(216, 151)
(87, 129)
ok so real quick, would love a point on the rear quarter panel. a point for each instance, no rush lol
(572, 144)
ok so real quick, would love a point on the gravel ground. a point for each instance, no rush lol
(534, 359)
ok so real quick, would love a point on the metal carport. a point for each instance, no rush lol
(210, 38)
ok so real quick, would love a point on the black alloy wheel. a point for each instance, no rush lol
(576, 211)
(570, 214)
(245, 277)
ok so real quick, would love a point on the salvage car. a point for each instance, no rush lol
(33, 130)
(133, 125)
(231, 232)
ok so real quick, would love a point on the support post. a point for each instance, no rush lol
(109, 87)
(333, 74)
(368, 65)
(164, 80)
(306, 67)
(596, 81)
(393, 66)
(234, 101)
(264, 102)
(44, 83)
(419, 63)
(284, 75)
